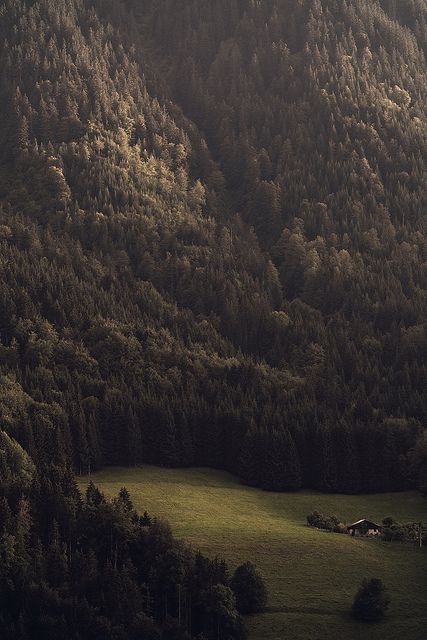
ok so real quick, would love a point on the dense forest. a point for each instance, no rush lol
(92, 569)
(212, 237)
(212, 252)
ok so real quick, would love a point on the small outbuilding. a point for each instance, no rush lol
(364, 528)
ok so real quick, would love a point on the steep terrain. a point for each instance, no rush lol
(316, 113)
(213, 236)
(212, 252)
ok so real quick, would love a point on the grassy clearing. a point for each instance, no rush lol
(311, 575)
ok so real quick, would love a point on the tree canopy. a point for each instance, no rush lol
(212, 222)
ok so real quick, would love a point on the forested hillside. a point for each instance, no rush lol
(316, 113)
(212, 237)
(212, 252)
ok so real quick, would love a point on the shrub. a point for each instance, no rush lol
(371, 601)
(329, 523)
(340, 528)
(395, 532)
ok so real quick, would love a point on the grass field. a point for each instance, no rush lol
(312, 576)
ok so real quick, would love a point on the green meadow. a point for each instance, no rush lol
(311, 575)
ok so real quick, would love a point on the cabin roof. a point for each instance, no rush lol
(364, 521)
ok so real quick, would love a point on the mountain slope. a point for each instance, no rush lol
(142, 318)
(116, 313)
(316, 114)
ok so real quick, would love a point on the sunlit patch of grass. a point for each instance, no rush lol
(312, 575)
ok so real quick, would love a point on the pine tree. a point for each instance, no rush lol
(251, 459)
(281, 470)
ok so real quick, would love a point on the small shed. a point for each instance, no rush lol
(364, 527)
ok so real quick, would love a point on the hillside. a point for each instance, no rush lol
(311, 575)
(195, 237)
(315, 111)
(117, 318)
(212, 254)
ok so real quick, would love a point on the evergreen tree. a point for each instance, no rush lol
(249, 589)
(371, 601)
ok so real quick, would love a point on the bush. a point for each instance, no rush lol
(395, 532)
(340, 528)
(371, 601)
(249, 589)
(329, 523)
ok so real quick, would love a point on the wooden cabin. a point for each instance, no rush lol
(364, 528)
